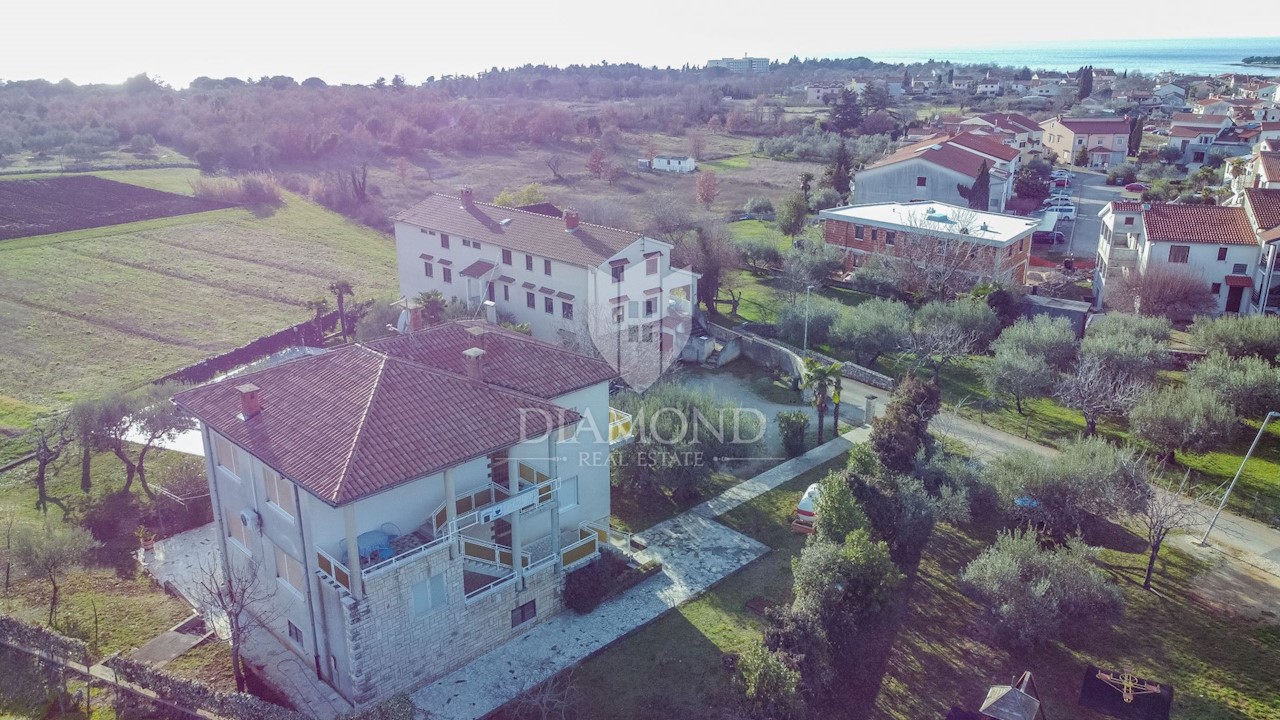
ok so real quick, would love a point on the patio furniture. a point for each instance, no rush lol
(374, 547)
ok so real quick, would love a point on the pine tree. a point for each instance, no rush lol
(845, 115)
(1135, 134)
(978, 194)
(1086, 81)
(839, 173)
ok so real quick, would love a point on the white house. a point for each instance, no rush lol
(414, 501)
(933, 168)
(673, 163)
(1262, 206)
(1214, 242)
(556, 274)
(1105, 141)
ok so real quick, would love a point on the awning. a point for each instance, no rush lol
(619, 299)
(564, 295)
(546, 290)
(1243, 281)
(528, 285)
(619, 261)
(655, 253)
(445, 262)
(477, 269)
(653, 291)
(506, 279)
(426, 257)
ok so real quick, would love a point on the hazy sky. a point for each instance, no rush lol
(357, 41)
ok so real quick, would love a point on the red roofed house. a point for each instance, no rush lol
(1018, 131)
(385, 489)
(1217, 243)
(933, 168)
(1262, 205)
(556, 274)
(1104, 140)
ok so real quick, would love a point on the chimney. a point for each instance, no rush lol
(473, 362)
(467, 195)
(570, 220)
(417, 318)
(250, 402)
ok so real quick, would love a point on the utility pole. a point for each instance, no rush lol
(1271, 415)
(807, 288)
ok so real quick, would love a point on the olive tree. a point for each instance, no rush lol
(1249, 385)
(49, 553)
(1187, 419)
(943, 332)
(1240, 335)
(1015, 373)
(1050, 338)
(871, 329)
(836, 510)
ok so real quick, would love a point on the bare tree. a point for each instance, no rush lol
(555, 699)
(926, 265)
(941, 333)
(1166, 291)
(697, 145)
(1163, 509)
(50, 437)
(244, 596)
(1098, 391)
(707, 188)
(554, 161)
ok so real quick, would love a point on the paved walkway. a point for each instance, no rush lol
(180, 561)
(696, 552)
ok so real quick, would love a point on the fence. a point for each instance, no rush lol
(779, 355)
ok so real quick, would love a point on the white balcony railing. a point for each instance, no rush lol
(621, 426)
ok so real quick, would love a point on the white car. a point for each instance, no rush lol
(1065, 212)
(1064, 174)
(1057, 201)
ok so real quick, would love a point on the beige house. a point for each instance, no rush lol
(1104, 140)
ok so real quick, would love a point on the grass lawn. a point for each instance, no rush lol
(760, 300)
(208, 662)
(94, 310)
(673, 668)
(734, 162)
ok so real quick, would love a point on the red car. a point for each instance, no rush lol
(1136, 187)
(1061, 182)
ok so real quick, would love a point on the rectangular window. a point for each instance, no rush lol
(617, 271)
(1239, 268)
(1179, 253)
(1021, 244)
(1128, 221)
(224, 454)
(633, 309)
(566, 310)
(530, 300)
(650, 307)
(528, 262)
(295, 634)
(446, 274)
(506, 293)
(506, 257)
(857, 232)
(546, 267)
(633, 333)
(921, 181)
(618, 315)
(429, 595)
(889, 237)
(237, 531)
(444, 240)
(466, 242)
(475, 244)
(491, 292)
(651, 266)
(427, 269)
(279, 491)
(648, 332)
(1215, 288)
(569, 493)
(524, 613)
(549, 305)
(290, 571)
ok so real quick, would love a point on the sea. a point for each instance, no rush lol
(1198, 56)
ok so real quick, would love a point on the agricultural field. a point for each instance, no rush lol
(92, 310)
(75, 202)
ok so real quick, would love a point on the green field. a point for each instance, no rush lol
(88, 311)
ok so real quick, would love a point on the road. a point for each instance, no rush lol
(1091, 192)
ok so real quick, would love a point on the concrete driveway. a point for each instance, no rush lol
(1090, 192)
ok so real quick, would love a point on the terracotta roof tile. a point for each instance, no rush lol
(1265, 206)
(1270, 162)
(528, 232)
(1239, 281)
(937, 151)
(477, 269)
(361, 419)
(1198, 119)
(1094, 126)
(985, 145)
(1213, 224)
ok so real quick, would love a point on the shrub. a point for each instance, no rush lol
(251, 189)
(1190, 419)
(836, 511)
(822, 314)
(824, 199)
(759, 206)
(901, 511)
(801, 640)
(771, 687)
(1033, 595)
(903, 430)
(793, 425)
(142, 143)
(760, 252)
(1249, 385)
(588, 586)
(1047, 337)
(844, 586)
(871, 329)
(1122, 174)
(1240, 335)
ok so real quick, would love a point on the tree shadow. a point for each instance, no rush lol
(1103, 533)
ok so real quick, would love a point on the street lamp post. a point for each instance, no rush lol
(1270, 416)
(807, 288)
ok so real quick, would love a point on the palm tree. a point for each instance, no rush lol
(835, 400)
(433, 306)
(341, 289)
(821, 378)
(318, 307)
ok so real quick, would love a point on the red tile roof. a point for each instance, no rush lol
(1190, 132)
(1101, 149)
(1270, 162)
(529, 232)
(1270, 126)
(940, 152)
(1213, 224)
(1265, 206)
(1125, 206)
(364, 418)
(1011, 121)
(477, 269)
(1239, 281)
(1094, 126)
(1198, 119)
(986, 146)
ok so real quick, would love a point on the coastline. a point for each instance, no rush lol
(1268, 66)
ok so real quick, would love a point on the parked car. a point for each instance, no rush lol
(1057, 200)
(1061, 182)
(1065, 212)
(1136, 187)
(1048, 236)
(1060, 173)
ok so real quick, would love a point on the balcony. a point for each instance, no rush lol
(620, 427)
(478, 506)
